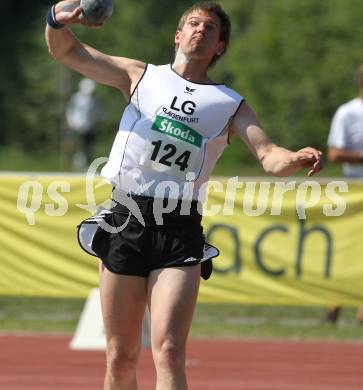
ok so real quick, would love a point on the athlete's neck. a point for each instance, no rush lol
(193, 70)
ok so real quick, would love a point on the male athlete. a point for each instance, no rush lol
(174, 128)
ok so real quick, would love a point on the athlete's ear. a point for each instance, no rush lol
(220, 48)
(177, 37)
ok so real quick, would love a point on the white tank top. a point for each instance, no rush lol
(171, 134)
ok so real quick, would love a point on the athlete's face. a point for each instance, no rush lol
(200, 35)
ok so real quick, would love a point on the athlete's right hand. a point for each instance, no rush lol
(69, 12)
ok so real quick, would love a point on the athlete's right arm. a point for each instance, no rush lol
(119, 72)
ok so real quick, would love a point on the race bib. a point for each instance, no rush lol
(172, 148)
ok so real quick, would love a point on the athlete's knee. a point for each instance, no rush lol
(121, 362)
(169, 354)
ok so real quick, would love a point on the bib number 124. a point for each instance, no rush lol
(167, 155)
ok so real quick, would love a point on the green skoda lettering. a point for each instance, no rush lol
(177, 130)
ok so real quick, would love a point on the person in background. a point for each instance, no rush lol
(345, 146)
(82, 113)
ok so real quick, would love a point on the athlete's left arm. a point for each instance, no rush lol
(274, 159)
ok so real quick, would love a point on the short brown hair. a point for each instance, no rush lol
(215, 8)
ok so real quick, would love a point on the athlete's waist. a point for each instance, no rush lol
(152, 206)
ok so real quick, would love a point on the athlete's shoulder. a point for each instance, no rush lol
(153, 70)
(158, 68)
(232, 93)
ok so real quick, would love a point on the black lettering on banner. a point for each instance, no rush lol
(303, 233)
(181, 161)
(329, 243)
(260, 260)
(237, 261)
(188, 107)
(257, 248)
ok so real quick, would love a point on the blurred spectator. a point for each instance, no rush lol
(82, 113)
(345, 142)
(345, 146)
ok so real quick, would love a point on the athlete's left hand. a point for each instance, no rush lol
(310, 158)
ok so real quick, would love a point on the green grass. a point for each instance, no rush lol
(302, 323)
(44, 315)
(39, 314)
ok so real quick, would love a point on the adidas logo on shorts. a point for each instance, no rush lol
(189, 259)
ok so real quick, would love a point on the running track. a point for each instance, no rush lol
(46, 363)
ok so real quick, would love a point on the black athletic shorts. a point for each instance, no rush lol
(137, 250)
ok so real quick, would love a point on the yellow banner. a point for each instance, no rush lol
(297, 243)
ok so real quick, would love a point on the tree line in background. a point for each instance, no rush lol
(294, 61)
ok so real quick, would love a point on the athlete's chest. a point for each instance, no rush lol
(170, 101)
